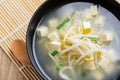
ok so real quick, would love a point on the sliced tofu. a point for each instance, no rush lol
(55, 45)
(104, 62)
(110, 69)
(86, 27)
(99, 21)
(89, 65)
(113, 55)
(98, 75)
(87, 14)
(42, 31)
(53, 36)
(53, 22)
(94, 10)
(106, 37)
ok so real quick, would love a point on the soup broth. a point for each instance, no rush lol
(61, 63)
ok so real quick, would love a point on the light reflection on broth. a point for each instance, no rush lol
(41, 52)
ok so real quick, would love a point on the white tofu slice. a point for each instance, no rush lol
(106, 37)
(87, 14)
(98, 75)
(53, 36)
(86, 27)
(99, 21)
(94, 10)
(53, 22)
(89, 65)
(55, 45)
(110, 69)
(42, 31)
(113, 55)
(104, 62)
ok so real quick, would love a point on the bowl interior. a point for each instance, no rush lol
(38, 55)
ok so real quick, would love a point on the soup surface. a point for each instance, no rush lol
(78, 41)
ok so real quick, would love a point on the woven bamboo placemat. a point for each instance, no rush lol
(14, 18)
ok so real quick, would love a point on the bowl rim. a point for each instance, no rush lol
(44, 6)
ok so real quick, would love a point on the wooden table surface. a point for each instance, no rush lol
(8, 71)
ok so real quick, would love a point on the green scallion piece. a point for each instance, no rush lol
(57, 69)
(94, 38)
(63, 23)
(60, 63)
(83, 75)
(54, 53)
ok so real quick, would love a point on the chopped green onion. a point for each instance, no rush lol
(60, 63)
(63, 23)
(94, 38)
(57, 69)
(83, 75)
(54, 53)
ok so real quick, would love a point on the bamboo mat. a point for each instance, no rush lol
(14, 18)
